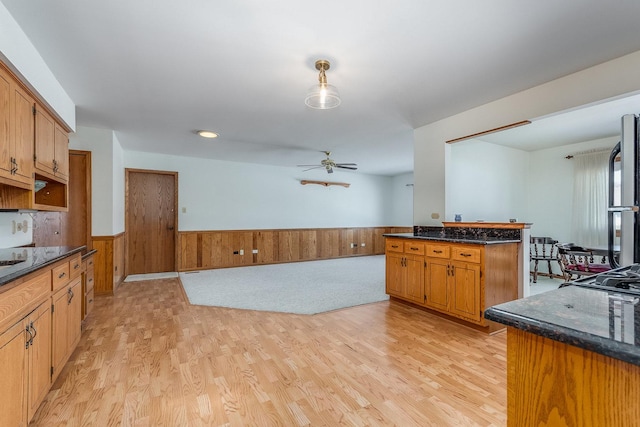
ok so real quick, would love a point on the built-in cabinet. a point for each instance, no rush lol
(39, 329)
(33, 146)
(457, 280)
(16, 133)
(51, 155)
(405, 269)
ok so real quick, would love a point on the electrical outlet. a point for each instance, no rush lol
(241, 251)
(362, 244)
(255, 251)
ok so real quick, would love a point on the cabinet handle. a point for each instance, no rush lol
(465, 255)
(90, 280)
(61, 275)
(415, 249)
(35, 332)
(77, 266)
(437, 252)
(29, 340)
(70, 295)
(91, 300)
(394, 246)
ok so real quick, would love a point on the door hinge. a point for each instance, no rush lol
(33, 109)
(53, 308)
(52, 371)
(425, 264)
(425, 298)
(480, 273)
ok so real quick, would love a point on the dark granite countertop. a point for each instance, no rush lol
(605, 322)
(87, 253)
(29, 260)
(477, 240)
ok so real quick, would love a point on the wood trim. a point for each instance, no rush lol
(509, 225)
(206, 249)
(89, 192)
(487, 132)
(325, 183)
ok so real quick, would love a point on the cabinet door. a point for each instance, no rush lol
(74, 319)
(414, 267)
(61, 154)
(39, 357)
(436, 280)
(465, 291)
(395, 274)
(24, 128)
(45, 141)
(60, 320)
(13, 371)
(6, 139)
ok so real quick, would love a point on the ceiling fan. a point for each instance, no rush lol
(329, 164)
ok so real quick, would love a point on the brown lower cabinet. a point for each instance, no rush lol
(39, 329)
(456, 280)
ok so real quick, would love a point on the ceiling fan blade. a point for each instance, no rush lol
(307, 166)
(314, 167)
(346, 164)
(353, 168)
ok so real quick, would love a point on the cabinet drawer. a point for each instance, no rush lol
(438, 251)
(75, 266)
(59, 276)
(394, 246)
(414, 248)
(465, 254)
(88, 302)
(89, 279)
(16, 300)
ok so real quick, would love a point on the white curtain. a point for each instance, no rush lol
(590, 189)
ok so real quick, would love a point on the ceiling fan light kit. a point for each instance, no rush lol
(328, 164)
(322, 96)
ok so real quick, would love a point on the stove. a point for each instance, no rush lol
(625, 280)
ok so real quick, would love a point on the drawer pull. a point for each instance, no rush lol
(437, 252)
(415, 249)
(61, 275)
(90, 280)
(394, 246)
(77, 266)
(91, 300)
(465, 255)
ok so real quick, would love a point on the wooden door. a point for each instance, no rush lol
(13, 371)
(151, 221)
(465, 299)
(39, 357)
(415, 278)
(72, 228)
(436, 284)
(395, 274)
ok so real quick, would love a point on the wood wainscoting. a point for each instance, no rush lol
(109, 263)
(199, 250)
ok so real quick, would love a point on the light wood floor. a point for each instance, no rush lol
(148, 358)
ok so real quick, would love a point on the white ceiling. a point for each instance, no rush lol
(588, 123)
(157, 70)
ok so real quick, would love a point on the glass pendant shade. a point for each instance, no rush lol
(323, 95)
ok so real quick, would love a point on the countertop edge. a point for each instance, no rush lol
(450, 239)
(601, 345)
(10, 277)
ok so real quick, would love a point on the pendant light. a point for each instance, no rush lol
(323, 95)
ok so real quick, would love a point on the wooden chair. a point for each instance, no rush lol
(576, 261)
(542, 249)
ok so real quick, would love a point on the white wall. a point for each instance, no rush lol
(228, 195)
(107, 181)
(17, 51)
(550, 201)
(607, 80)
(10, 236)
(487, 182)
(401, 200)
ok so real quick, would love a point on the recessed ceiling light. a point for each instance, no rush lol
(207, 134)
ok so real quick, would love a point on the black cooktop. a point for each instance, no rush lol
(624, 280)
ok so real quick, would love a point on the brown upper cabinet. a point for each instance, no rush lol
(33, 146)
(51, 147)
(16, 133)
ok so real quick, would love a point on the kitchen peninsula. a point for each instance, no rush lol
(458, 270)
(573, 358)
